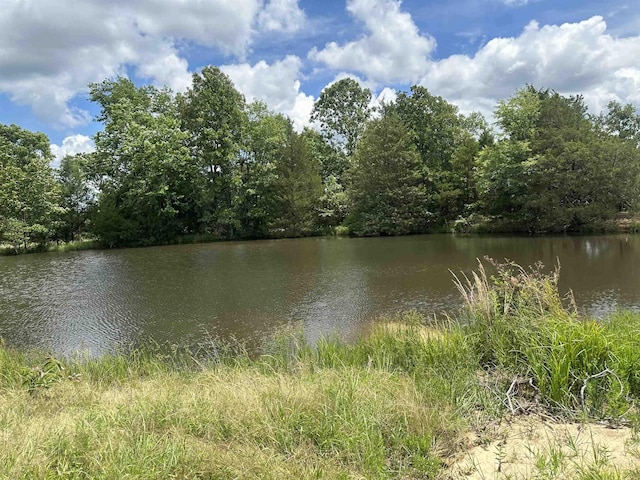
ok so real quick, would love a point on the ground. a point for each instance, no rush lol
(532, 447)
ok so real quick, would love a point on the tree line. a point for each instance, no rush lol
(206, 162)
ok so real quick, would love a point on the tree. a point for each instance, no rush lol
(149, 184)
(554, 170)
(298, 188)
(77, 195)
(518, 116)
(622, 122)
(212, 112)
(29, 194)
(446, 142)
(503, 180)
(434, 123)
(386, 191)
(333, 203)
(266, 136)
(343, 111)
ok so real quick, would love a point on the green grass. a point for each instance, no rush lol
(52, 247)
(397, 403)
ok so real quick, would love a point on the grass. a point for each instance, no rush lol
(398, 403)
(7, 250)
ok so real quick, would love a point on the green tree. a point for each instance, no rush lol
(77, 195)
(333, 203)
(446, 142)
(29, 194)
(342, 110)
(266, 136)
(621, 121)
(387, 193)
(554, 170)
(518, 116)
(503, 180)
(213, 114)
(149, 184)
(434, 123)
(619, 131)
(298, 188)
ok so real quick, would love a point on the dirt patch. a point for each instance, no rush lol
(535, 448)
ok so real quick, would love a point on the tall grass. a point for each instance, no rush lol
(335, 411)
(523, 329)
(394, 404)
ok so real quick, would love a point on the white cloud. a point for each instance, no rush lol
(224, 24)
(281, 16)
(50, 51)
(515, 3)
(70, 146)
(277, 85)
(166, 68)
(570, 58)
(387, 95)
(394, 50)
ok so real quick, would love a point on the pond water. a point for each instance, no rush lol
(104, 300)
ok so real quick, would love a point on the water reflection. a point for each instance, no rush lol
(105, 300)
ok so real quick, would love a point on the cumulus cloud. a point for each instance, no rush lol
(386, 95)
(570, 58)
(277, 85)
(50, 51)
(225, 24)
(393, 50)
(70, 146)
(166, 68)
(281, 16)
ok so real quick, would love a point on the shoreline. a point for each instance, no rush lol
(625, 224)
(518, 379)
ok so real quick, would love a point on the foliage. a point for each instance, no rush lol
(621, 121)
(342, 110)
(298, 188)
(554, 171)
(205, 164)
(29, 194)
(265, 138)
(334, 203)
(77, 196)
(148, 182)
(447, 146)
(212, 115)
(434, 125)
(333, 162)
(386, 193)
(522, 330)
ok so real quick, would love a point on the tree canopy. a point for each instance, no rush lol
(206, 162)
(29, 193)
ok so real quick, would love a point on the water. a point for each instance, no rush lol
(101, 301)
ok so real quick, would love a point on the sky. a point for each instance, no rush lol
(284, 52)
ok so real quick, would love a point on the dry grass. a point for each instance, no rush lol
(397, 403)
(226, 423)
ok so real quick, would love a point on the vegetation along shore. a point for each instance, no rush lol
(205, 164)
(515, 385)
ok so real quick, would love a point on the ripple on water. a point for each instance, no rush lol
(104, 300)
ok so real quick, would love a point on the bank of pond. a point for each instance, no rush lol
(409, 398)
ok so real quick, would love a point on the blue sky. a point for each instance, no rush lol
(472, 52)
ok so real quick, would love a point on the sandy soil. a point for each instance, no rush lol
(530, 447)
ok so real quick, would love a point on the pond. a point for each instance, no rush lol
(105, 300)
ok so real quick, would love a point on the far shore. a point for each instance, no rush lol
(623, 223)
